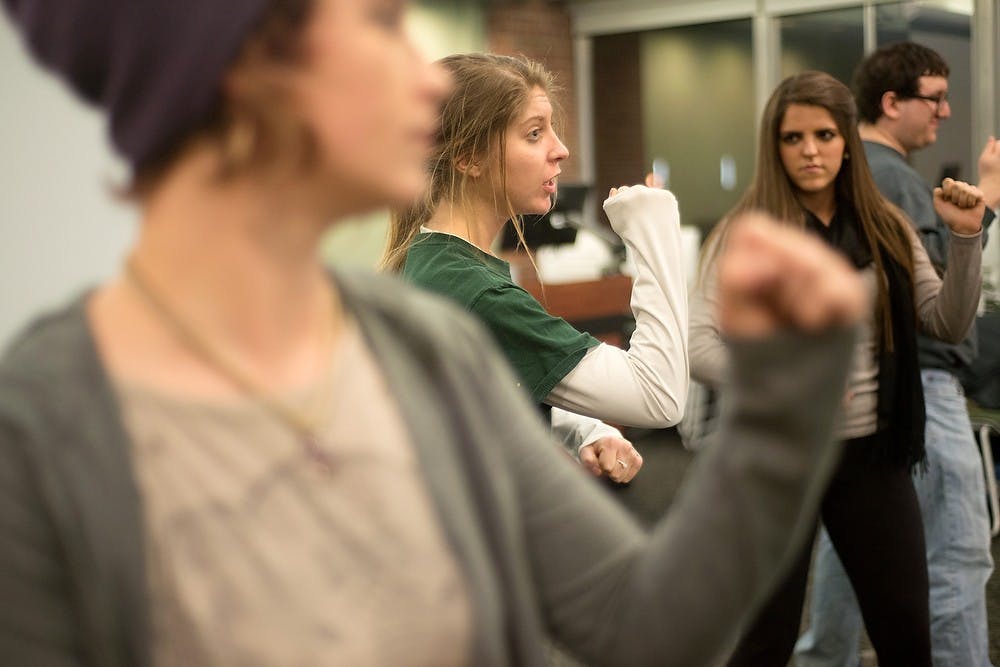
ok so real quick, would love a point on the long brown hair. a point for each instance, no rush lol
(489, 91)
(883, 225)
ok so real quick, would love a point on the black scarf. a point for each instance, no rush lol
(901, 416)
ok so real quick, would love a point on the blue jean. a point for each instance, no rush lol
(956, 528)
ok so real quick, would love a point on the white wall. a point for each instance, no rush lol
(60, 229)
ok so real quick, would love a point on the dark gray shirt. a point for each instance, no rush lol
(903, 186)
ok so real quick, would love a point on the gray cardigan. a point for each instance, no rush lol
(543, 551)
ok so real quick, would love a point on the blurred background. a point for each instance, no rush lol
(681, 82)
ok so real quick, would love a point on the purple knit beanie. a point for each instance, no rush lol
(155, 65)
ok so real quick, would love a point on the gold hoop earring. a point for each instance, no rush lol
(239, 144)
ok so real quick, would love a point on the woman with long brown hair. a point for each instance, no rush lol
(811, 171)
(497, 157)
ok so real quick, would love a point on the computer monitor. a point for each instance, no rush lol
(950, 170)
(558, 226)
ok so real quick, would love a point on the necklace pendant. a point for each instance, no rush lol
(315, 453)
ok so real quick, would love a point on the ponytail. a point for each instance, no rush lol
(404, 226)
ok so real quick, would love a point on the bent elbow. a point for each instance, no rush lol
(955, 340)
(668, 410)
(955, 335)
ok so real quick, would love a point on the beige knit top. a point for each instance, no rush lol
(256, 556)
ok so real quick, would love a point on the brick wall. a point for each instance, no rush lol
(618, 141)
(541, 30)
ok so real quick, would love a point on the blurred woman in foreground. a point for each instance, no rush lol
(226, 455)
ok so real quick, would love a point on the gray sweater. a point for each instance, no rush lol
(543, 551)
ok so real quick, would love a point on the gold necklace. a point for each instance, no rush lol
(305, 428)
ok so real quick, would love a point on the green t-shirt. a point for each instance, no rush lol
(542, 348)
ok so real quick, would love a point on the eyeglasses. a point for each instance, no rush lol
(936, 100)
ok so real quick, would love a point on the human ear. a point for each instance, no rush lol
(889, 104)
(468, 167)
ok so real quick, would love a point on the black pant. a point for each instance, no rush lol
(872, 516)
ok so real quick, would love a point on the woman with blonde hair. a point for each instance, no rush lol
(227, 455)
(497, 157)
(811, 171)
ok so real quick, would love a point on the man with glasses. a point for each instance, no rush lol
(902, 96)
